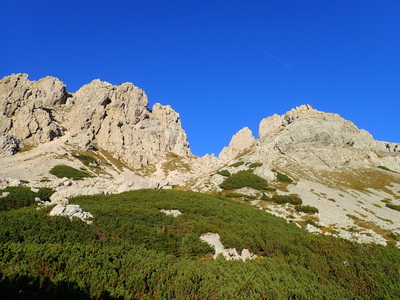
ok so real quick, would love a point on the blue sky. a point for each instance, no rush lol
(222, 65)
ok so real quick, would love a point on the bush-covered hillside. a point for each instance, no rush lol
(134, 251)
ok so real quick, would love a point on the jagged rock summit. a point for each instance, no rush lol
(113, 118)
(322, 140)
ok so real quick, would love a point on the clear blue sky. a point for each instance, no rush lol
(222, 65)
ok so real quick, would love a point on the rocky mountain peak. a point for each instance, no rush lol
(240, 142)
(321, 139)
(113, 118)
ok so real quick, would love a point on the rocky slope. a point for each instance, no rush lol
(335, 167)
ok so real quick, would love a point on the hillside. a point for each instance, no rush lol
(101, 197)
(133, 250)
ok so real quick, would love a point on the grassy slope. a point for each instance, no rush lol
(134, 251)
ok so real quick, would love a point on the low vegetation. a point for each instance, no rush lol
(255, 165)
(239, 195)
(62, 171)
(244, 179)
(283, 178)
(237, 164)
(22, 196)
(225, 173)
(134, 251)
(282, 199)
(307, 209)
(86, 159)
(386, 169)
(393, 206)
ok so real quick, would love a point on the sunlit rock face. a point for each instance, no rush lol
(113, 118)
(319, 139)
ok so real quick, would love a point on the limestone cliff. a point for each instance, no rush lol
(114, 118)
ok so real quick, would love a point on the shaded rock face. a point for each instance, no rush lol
(114, 118)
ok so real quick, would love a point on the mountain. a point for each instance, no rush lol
(348, 183)
(100, 197)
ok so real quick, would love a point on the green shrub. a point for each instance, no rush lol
(133, 251)
(265, 197)
(393, 206)
(85, 159)
(386, 169)
(307, 209)
(281, 199)
(270, 189)
(62, 171)
(22, 196)
(255, 165)
(238, 195)
(225, 173)
(244, 179)
(237, 164)
(311, 222)
(283, 178)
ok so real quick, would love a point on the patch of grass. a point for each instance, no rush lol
(255, 165)
(393, 206)
(282, 199)
(386, 169)
(265, 197)
(377, 205)
(146, 171)
(86, 159)
(239, 195)
(307, 209)
(237, 164)
(283, 177)
(225, 173)
(331, 199)
(270, 189)
(106, 158)
(368, 225)
(311, 222)
(360, 180)
(62, 171)
(22, 196)
(244, 179)
(175, 162)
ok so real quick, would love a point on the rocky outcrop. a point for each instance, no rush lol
(71, 211)
(113, 118)
(240, 142)
(171, 212)
(8, 145)
(26, 108)
(213, 239)
(319, 139)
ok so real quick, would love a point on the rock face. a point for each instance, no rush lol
(318, 139)
(240, 142)
(26, 108)
(113, 118)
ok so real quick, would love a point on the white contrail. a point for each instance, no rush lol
(274, 58)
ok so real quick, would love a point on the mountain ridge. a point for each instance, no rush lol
(333, 165)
